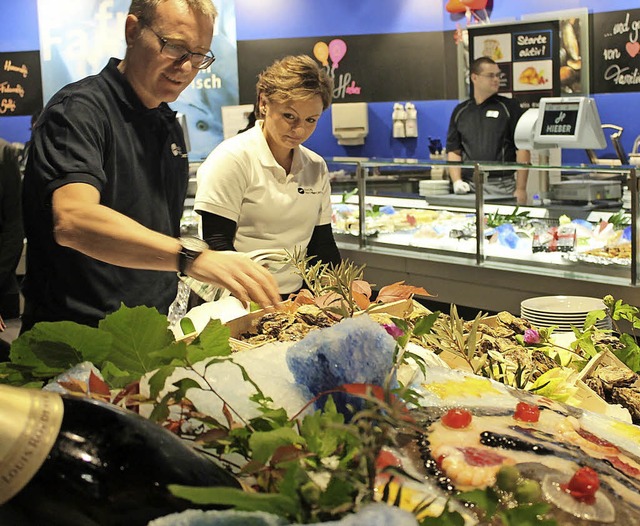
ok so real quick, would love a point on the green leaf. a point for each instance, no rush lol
(630, 353)
(338, 492)
(60, 345)
(321, 431)
(138, 334)
(158, 381)
(116, 377)
(527, 515)
(187, 326)
(184, 385)
(485, 499)
(241, 500)
(264, 443)
(425, 323)
(212, 341)
(446, 518)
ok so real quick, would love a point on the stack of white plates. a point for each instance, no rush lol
(563, 312)
(434, 187)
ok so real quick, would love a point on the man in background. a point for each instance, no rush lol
(107, 176)
(482, 128)
(11, 235)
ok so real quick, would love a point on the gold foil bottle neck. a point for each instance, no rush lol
(30, 421)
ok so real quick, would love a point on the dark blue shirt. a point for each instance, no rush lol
(97, 131)
(484, 132)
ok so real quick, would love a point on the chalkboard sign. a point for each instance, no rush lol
(20, 83)
(365, 68)
(528, 57)
(616, 51)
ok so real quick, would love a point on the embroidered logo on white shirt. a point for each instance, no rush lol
(308, 191)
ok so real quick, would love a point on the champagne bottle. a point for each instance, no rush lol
(71, 460)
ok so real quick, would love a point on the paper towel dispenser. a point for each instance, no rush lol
(350, 122)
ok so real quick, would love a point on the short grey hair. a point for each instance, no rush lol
(146, 9)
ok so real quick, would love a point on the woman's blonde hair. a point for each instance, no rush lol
(294, 78)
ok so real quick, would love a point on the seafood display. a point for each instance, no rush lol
(615, 383)
(514, 235)
(480, 434)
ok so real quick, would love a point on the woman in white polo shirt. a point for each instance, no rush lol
(262, 189)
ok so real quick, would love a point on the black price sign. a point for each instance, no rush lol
(560, 119)
(20, 83)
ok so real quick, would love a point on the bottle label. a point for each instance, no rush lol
(30, 421)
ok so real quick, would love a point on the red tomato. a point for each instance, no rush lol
(457, 418)
(583, 485)
(386, 458)
(527, 412)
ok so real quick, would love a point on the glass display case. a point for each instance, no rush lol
(576, 223)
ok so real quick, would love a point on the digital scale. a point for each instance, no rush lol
(586, 190)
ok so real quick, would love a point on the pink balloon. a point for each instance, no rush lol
(337, 50)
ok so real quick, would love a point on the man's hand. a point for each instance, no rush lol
(521, 196)
(237, 273)
(461, 187)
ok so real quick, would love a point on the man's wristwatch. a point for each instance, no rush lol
(190, 248)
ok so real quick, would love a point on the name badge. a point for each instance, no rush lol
(493, 114)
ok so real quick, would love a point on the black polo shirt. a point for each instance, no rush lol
(97, 131)
(484, 132)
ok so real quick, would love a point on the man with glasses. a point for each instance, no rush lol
(107, 176)
(482, 129)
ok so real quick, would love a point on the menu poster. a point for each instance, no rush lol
(364, 68)
(20, 83)
(616, 51)
(527, 55)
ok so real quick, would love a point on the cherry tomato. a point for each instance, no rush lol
(583, 485)
(527, 412)
(457, 418)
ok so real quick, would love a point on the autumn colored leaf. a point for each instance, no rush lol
(364, 389)
(399, 291)
(361, 300)
(362, 287)
(74, 385)
(304, 297)
(98, 386)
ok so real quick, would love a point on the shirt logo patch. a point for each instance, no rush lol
(307, 191)
(494, 114)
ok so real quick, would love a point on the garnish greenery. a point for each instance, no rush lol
(312, 466)
(309, 467)
(515, 218)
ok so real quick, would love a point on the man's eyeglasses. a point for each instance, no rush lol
(180, 53)
(491, 75)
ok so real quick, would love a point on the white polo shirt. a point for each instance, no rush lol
(241, 181)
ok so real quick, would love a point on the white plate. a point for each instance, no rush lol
(563, 304)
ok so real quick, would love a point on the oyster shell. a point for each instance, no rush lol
(614, 376)
(628, 397)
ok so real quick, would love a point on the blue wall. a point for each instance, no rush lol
(307, 18)
(260, 19)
